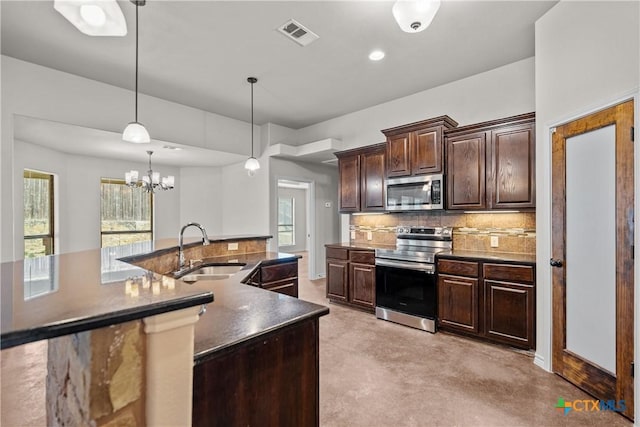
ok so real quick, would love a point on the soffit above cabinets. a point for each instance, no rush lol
(315, 152)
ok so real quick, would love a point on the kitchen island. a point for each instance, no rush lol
(79, 292)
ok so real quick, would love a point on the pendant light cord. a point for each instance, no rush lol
(251, 119)
(136, 114)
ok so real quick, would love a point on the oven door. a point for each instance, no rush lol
(406, 287)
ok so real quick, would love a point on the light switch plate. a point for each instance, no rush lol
(369, 235)
(494, 241)
(232, 246)
(353, 235)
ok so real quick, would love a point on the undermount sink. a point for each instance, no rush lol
(211, 272)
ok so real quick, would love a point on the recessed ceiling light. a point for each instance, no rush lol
(376, 55)
(172, 147)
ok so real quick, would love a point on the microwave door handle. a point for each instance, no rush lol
(428, 201)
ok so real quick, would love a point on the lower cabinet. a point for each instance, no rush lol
(351, 277)
(270, 380)
(494, 301)
(281, 278)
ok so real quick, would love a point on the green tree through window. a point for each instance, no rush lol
(286, 222)
(38, 213)
(125, 213)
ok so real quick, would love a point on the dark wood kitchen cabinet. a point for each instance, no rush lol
(351, 277)
(491, 165)
(490, 300)
(361, 179)
(416, 148)
(280, 277)
(458, 295)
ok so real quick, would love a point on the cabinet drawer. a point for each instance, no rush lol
(337, 253)
(362, 257)
(271, 273)
(508, 272)
(286, 286)
(460, 268)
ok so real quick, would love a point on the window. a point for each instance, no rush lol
(38, 214)
(286, 226)
(125, 213)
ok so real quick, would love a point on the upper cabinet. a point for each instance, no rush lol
(416, 148)
(361, 182)
(491, 165)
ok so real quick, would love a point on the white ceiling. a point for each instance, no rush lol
(199, 53)
(104, 144)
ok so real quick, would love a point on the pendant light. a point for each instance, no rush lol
(414, 16)
(252, 164)
(135, 131)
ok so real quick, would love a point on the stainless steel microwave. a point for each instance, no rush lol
(415, 193)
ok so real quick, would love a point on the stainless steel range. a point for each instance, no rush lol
(405, 276)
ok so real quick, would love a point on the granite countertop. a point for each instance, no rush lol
(58, 295)
(490, 256)
(63, 294)
(367, 246)
(241, 312)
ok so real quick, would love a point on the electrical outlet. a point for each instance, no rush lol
(232, 246)
(494, 241)
(369, 235)
(353, 235)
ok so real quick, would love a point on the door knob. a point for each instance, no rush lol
(555, 262)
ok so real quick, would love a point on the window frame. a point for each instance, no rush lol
(293, 221)
(112, 232)
(48, 240)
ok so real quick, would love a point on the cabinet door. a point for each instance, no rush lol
(373, 174)
(337, 279)
(426, 151)
(362, 285)
(466, 172)
(349, 187)
(458, 303)
(509, 313)
(398, 155)
(512, 167)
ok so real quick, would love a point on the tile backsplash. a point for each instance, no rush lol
(516, 232)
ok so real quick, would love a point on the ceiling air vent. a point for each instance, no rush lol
(298, 32)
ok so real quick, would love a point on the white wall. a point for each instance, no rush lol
(325, 189)
(587, 56)
(245, 200)
(77, 202)
(200, 199)
(501, 92)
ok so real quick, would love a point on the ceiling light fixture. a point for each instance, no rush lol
(414, 16)
(93, 17)
(376, 55)
(135, 131)
(151, 181)
(252, 164)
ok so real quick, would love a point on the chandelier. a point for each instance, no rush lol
(151, 181)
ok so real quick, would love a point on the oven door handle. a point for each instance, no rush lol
(425, 268)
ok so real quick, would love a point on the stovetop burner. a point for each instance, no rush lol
(418, 244)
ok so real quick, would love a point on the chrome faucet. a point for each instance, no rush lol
(205, 242)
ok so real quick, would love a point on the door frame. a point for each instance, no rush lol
(544, 311)
(310, 219)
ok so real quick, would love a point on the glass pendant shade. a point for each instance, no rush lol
(252, 164)
(414, 16)
(136, 133)
(94, 17)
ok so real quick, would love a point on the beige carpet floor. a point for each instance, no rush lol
(376, 373)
